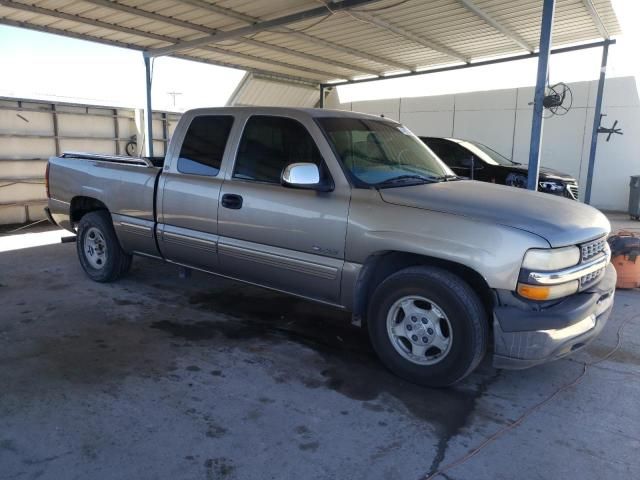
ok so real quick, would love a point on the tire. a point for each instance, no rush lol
(451, 325)
(99, 251)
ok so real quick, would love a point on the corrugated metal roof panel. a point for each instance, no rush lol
(255, 90)
(373, 38)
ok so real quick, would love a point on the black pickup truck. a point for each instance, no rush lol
(479, 162)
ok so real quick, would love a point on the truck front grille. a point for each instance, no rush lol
(591, 249)
(572, 188)
(590, 278)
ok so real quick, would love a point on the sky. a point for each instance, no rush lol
(41, 65)
(45, 66)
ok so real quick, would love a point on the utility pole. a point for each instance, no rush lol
(173, 96)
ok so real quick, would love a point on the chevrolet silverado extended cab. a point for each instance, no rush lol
(353, 211)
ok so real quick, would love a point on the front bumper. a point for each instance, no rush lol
(560, 329)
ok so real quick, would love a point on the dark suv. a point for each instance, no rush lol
(479, 162)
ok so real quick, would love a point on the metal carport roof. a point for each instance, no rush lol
(315, 41)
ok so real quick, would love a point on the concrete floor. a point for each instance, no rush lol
(156, 377)
(622, 221)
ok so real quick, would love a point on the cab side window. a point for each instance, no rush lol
(269, 144)
(204, 144)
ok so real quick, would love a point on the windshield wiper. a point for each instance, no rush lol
(404, 178)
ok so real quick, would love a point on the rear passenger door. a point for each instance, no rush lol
(189, 190)
(281, 237)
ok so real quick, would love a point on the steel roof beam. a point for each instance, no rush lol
(213, 32)
(314, 58)
(351, 51)
(507, 32)
(154, 36)
(480, 63)
(113, 5)
(596, 19)
(301, 35)
(258, 27)
(227, 12)
(420, 40)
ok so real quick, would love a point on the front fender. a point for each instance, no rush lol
(494, 251)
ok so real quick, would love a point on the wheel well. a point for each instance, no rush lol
(80, 206)
(380, 265)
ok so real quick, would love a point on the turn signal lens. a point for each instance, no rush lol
(544, 292)
(533, 292)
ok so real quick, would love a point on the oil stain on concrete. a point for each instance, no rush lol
(349, 365)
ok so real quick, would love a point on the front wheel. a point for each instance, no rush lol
(99, 251)
(428, 326)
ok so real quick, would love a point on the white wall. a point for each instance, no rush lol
(27, 140)
(502, 120)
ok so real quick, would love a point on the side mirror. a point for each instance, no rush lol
(302, 175)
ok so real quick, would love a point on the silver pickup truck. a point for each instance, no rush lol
(353, 211)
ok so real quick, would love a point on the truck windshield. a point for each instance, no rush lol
(381, 153)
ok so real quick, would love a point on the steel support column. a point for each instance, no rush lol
(596, 122)
(148, 112)
(541, 83)
(321, 104)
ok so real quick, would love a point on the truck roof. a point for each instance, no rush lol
(284, 111)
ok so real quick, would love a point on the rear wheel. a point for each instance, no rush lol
(428, 326)
(99, 251)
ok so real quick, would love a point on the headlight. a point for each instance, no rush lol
(548, 186)
(549, 259)
(548, 292)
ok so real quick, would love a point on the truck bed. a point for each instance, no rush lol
(125, 186)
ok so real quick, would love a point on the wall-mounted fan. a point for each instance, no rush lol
(558, 99)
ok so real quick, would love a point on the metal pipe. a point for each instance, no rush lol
(596, 122)
(481, 63)
(165, 133)
(116, 130)
(541, 82)
(56, 132)
(259, 27)
(148, 112)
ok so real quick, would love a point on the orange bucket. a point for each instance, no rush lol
(627, 263)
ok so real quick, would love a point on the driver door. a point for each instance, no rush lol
(285, 238)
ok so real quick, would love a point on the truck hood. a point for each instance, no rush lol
(558, 220)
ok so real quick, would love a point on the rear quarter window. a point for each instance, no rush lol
(204, 144)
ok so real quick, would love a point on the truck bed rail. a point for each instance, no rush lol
(140, 161)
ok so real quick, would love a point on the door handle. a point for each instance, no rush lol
(232, 201)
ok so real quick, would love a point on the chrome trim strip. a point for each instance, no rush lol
(188, 241)
(136, 229)
(569, 274)
(147, 255)
(261, 285)
(296, 265)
